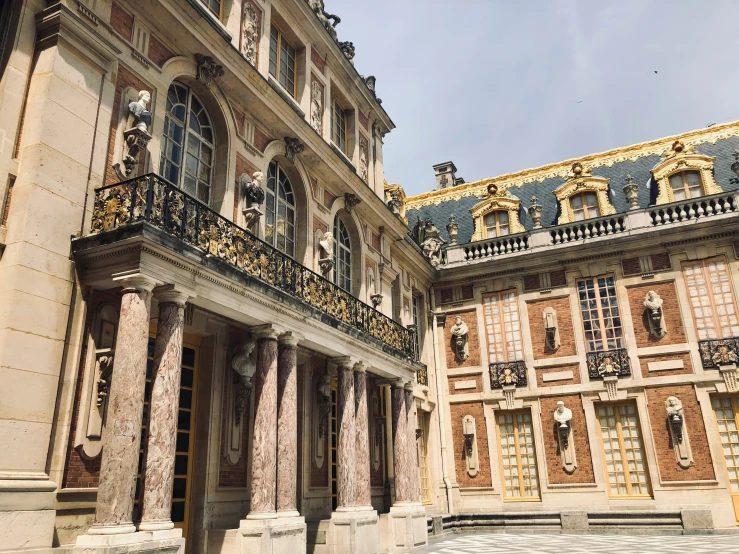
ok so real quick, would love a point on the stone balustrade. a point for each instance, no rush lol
(693, 209)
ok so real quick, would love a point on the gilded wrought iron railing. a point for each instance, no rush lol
(718, 352)
(608, 362)
(422, 376)
(508, 373)
(151, 199)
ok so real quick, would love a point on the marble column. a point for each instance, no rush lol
(122, 433)
(264, 450)
(414, 486)
(287, 426)
(347, 445)
(400, 445)
(361, 421)
(159, 457)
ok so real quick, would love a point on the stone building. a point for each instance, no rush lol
(223, 331)
(585, 341)
(207, 309)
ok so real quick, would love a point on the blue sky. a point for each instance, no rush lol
(499, 86)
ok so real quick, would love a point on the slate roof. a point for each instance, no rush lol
(459, 200)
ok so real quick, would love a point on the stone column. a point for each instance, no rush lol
(264, 451)
(158, 479)
(347, 445)
(364, 493)
(414, 487)
(400, 446)
(122, 434)
(287, 426)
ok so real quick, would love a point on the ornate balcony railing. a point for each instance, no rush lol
(507, 374)
(496, 247)
(608, 363)
(588, 229)
(695, 208)
(153, 200)
(718, 352)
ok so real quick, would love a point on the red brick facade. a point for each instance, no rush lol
(644, 362)
(670, 309)
(158, 53)
(456, 379)
(121, 21)
(457, 413)
(318, 60)
(575, 380)
(564, 320)
(261, 140)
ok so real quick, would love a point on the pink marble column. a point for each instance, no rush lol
(287, 426)
(347, 445)
(400, 446)
(264, 451)
(158, 477)
(414, 486)
(364, 493)
(122, 433)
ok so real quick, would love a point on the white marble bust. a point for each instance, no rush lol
(562, 414)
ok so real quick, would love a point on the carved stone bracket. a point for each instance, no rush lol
(729, 374)
(136, 142)
(469, 433)
(678, 432)
(376, 300)
(562, 418)
(611, 382)
(293, 147)
(350, 201)
(208, 69)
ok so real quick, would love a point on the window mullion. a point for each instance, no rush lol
(622, 447)
(516, 441)
(601, 319)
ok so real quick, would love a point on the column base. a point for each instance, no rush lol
(404, 528)
(353, 530)
(285, 535)
(26, 511)
(167, 541)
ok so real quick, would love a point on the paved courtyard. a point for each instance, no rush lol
(584, 544)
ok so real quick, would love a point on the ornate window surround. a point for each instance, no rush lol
(580, 180)
(497, 199)
(683, 158)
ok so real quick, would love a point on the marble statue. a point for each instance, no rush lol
(675, 416)
(430, 241)
(562, 414)
(653, 305)
(460, 333)
(253, 188)
(243, 362)
(326, 253)
(139, 112)
(329, 21)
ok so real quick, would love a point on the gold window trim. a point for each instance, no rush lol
(580, 180)
(497, 200)
(681, 158)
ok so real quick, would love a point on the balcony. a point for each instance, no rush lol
(151, 202)
(719, 352)
(508, 374)
(608, 363)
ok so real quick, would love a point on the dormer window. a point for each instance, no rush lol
(282, 60)
(496, 224)
(685, 185)
(584, 206)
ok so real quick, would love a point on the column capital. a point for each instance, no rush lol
(172, 294)
(267, 331)
(135, 282)
(290, 338)
(360, 367)
(344, 362)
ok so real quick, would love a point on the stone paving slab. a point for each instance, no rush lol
(583, 544)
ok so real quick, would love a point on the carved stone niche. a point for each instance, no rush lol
(678, 432)
(96, 381)
(469, 432)
(563, 426)
(239, 388)
(551, 329)
(377, 431)
(654, 315)
(321, 412)
(132, 133)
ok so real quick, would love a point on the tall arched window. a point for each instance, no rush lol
(280, 213)
(188, 144)
(342, 255)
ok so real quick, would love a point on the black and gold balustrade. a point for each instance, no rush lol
(608, 363)
(153, 200)
(506, 374)
(719, 352)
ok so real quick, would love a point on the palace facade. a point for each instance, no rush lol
(222, 331)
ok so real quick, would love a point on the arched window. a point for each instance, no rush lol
(280, 213)
(496, 224)
(342, 255)
(584, 205)
(188, 144)
(686, 184)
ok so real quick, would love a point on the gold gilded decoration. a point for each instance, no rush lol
(497, 199)
(168, 208)
(580, 180)
(561, 169)
(683, 158)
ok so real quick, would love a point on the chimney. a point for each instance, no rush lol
(445, 175)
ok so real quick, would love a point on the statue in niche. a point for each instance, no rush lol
(655, 316)
(326, 254)
(460, 334)
(250, 33)
(137, 137)
(675, 416)
(562, 414)
(253, 188)
(316, 107)
(427, 236)
(139, 111)
(363, 154)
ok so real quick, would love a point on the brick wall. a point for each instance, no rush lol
(670, 309)
(457, 412)
(645, 360)
(584, 472)
(261, 140)
(574, 368)
(476, 378)
(124, 79)
(363, 120)
(702, 467)
(158, 53)
(473, 341)
(317, 60)
(121, 21)
(564, 321)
